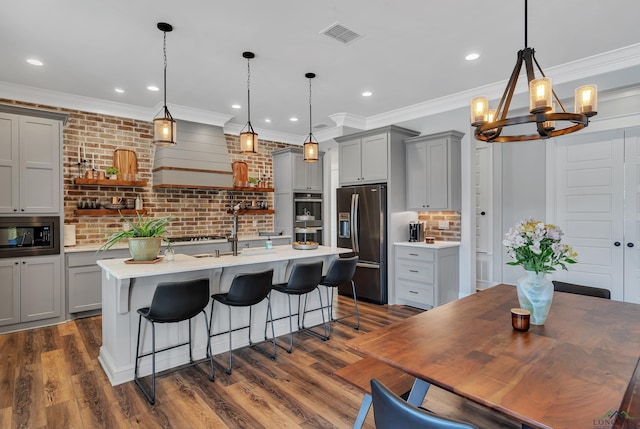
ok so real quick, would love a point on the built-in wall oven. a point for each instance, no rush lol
(29, 236)
(308, 205)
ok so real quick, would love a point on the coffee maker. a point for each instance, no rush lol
(416, 231)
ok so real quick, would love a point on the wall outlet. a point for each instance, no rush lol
(126, 226)
(443, 224)
(255, 223)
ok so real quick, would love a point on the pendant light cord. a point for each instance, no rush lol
(164, 51)
(310, 109)
(249, 94)
(526, 20)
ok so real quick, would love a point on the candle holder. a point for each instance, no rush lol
(82, 168)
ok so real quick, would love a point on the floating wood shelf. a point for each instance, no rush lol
(107, 212)
(109, 182)
(216, 188)
(260, 212)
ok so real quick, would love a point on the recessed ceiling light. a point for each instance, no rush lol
(153, 88)
(293, 119)
(472, 57)
(236, 106)
(119, 90)
(34, 62)
(267, 120)
(367, 94)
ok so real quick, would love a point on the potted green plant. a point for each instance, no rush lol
(253, 182)
(112, 172)
(144, 236)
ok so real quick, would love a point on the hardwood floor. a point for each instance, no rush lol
(50, 378)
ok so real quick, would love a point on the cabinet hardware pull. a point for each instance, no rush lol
(413, 292)
(483, 213)
(617, 244)
(413, 271)
(629, 244)
(413, 254)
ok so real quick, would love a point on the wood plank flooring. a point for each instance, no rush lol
(50, 378)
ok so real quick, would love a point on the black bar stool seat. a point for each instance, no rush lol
(340, 272)
(246, 290)
(173, 302)
(304, 278)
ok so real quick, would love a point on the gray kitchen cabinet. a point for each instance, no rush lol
(9, 291)
(31, 289)
(368, 156)
(426, 277)
(433, 172)
(291, 173)
(30, 170)
(84, 278)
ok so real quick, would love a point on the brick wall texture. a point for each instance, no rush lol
(431, 220)
(199, 211)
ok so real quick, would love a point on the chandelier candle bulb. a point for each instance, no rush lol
(586, 100)
(540, 95)
(479, 110)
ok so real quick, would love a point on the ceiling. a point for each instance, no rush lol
(411, 52)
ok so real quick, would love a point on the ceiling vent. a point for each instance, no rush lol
(340, 33)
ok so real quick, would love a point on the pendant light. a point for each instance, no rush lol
(248, 138)
(549, 122)
(164, 127)
(310, 147)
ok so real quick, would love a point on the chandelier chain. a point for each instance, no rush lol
(164, 51)
(248, 92)
(309, 108)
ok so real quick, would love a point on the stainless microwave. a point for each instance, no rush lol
(29, 236)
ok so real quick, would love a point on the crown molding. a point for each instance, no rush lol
(349, 120)
(73, 102)
(270, 135)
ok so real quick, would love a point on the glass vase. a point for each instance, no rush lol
(535, 293)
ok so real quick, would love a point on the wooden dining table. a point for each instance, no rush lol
(576, 371)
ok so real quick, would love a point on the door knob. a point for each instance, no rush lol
(629, 244)
(617, 244)
(483, 213)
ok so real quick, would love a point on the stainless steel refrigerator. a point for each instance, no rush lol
(362, 226)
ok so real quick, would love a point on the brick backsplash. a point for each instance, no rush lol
(431, 220)
(198, 211)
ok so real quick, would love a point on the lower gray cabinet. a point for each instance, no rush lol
(426, 277)
(84, 278)
(30, 289)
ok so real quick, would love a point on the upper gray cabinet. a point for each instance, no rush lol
(433, 172)
(365, 156)
(291, 173)
(30, 170)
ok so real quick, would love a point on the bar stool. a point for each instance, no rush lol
(173, 302)
(246, 290)
(340, 272)
(304, 278)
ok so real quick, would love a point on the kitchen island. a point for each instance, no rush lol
(127, 287)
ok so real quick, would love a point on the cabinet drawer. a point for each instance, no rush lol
(83, 259)
(422, 272)
(411, 291)
(416, 253)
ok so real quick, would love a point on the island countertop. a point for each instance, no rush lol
(185, 263)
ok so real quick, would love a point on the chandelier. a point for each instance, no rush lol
(248, 138)
(164, 127)
(550, 119)
(310, 147)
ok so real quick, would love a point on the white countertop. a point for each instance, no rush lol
(436, 245)
(123, 245)
(184, 263)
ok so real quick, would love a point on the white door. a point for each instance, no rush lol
(484, 244)
(589, 208)
(632, 216)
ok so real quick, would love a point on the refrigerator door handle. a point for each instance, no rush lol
(355, 203)
(368, 265)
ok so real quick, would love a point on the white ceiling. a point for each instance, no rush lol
(411, 52)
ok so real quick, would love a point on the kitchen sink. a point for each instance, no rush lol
(212, 255)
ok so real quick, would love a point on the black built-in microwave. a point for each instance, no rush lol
(29, 236)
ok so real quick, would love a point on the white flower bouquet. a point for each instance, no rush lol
(537, 247)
